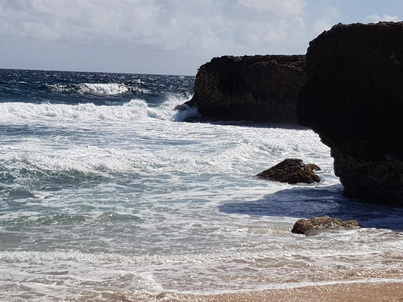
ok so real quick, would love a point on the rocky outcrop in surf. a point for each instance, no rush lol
(324, 223)
(353, 99)
(292, 171)
(250, 88)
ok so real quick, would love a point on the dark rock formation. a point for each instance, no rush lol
(354, 99)
(291, 171)
(256, 88)
(313, 225)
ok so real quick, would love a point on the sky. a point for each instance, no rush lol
(167, 36)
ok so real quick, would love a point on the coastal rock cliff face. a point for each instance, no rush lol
(354, 99)
(257, 88)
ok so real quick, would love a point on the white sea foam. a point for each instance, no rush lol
(107, 89)
(59, 87)
(108, 201)
(265, 266)
(14, 112)
(100, 89)
(136, 109)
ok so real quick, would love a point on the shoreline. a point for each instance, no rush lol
(340, 292)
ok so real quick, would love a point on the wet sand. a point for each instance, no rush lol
(359, 292)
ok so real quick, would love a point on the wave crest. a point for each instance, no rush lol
(102, 89)
(105, 89)
(136, 109)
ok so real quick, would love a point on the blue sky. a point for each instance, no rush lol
(167, 36)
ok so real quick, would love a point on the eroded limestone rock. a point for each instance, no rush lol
(353, 99)
(251, 88)
(291, 171)
(313, 225)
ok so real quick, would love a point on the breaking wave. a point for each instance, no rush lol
(107, 89)
(135, 109)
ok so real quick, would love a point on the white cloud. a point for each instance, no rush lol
(377, 18)
(200, 25)
(72, 18)
(146, 35)
(156, 33)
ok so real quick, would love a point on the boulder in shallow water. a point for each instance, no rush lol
(291, 171)
(312, 225)
(353, 99)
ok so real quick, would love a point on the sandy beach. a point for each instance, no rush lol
(358, 292)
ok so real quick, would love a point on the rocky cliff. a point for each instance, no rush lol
(257, 88)
(354, 99)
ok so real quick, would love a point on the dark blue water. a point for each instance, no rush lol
(60, 87)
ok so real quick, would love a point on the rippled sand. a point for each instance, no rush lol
(368, 292)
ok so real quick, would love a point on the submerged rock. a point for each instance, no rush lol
(309, 226)
(353, 99)
(255, 88)
(291, 171)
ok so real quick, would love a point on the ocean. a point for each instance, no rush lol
(106, 194)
